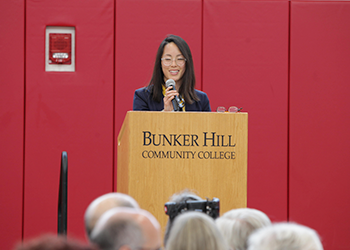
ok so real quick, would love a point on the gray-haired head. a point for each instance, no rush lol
(285, 236)
(102, 204)
(195, 231)
(184, 195)
(238, 224)
(126, 228)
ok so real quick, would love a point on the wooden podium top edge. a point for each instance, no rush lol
(189, 112)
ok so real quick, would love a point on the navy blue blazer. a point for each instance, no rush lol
(144, 102)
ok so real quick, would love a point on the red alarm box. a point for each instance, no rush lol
(60, 48)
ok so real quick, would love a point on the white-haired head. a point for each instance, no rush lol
(285, 236)
(195, 231)
(238, 224)
(182, 196)
(102, 204)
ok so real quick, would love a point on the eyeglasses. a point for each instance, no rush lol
(232, 109)
(180, 61)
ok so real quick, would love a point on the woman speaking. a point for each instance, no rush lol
(173, 80)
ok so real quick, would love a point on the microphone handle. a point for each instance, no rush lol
(176, 102)
(175, 105)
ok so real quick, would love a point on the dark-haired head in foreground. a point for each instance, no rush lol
(54, 242)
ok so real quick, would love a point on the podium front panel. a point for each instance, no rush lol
(162, 153)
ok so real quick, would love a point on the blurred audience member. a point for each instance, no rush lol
(127, 229)
(53, 242)
(285, 236)
(182, 196)
(102, 204)
(195, 231)
(236, 226)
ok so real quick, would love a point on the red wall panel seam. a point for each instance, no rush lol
(288, 105)
(24, 108)
(114, 116)
(202, 30)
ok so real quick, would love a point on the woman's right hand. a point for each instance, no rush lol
(169, 95)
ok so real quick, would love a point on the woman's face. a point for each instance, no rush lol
(173, 71)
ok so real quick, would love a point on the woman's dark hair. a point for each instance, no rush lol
(188, 79)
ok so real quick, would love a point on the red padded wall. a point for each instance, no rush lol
(11, 120)
(240, 51)
(319, 119)
(68, 111)
(245, 64)
(141, 25)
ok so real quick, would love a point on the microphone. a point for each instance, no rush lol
(177, 104)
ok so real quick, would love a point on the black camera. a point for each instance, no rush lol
(209, 207)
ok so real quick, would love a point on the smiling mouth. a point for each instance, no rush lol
(174, 72)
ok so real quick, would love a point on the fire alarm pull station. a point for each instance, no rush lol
(60, 49)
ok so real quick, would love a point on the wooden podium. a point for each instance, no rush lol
(162, 153)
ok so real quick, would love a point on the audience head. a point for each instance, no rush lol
(195, 231)
(53, 242)
(236, 226)
(185, 195)
(102, 204)
(126, 228)
(285, 236)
